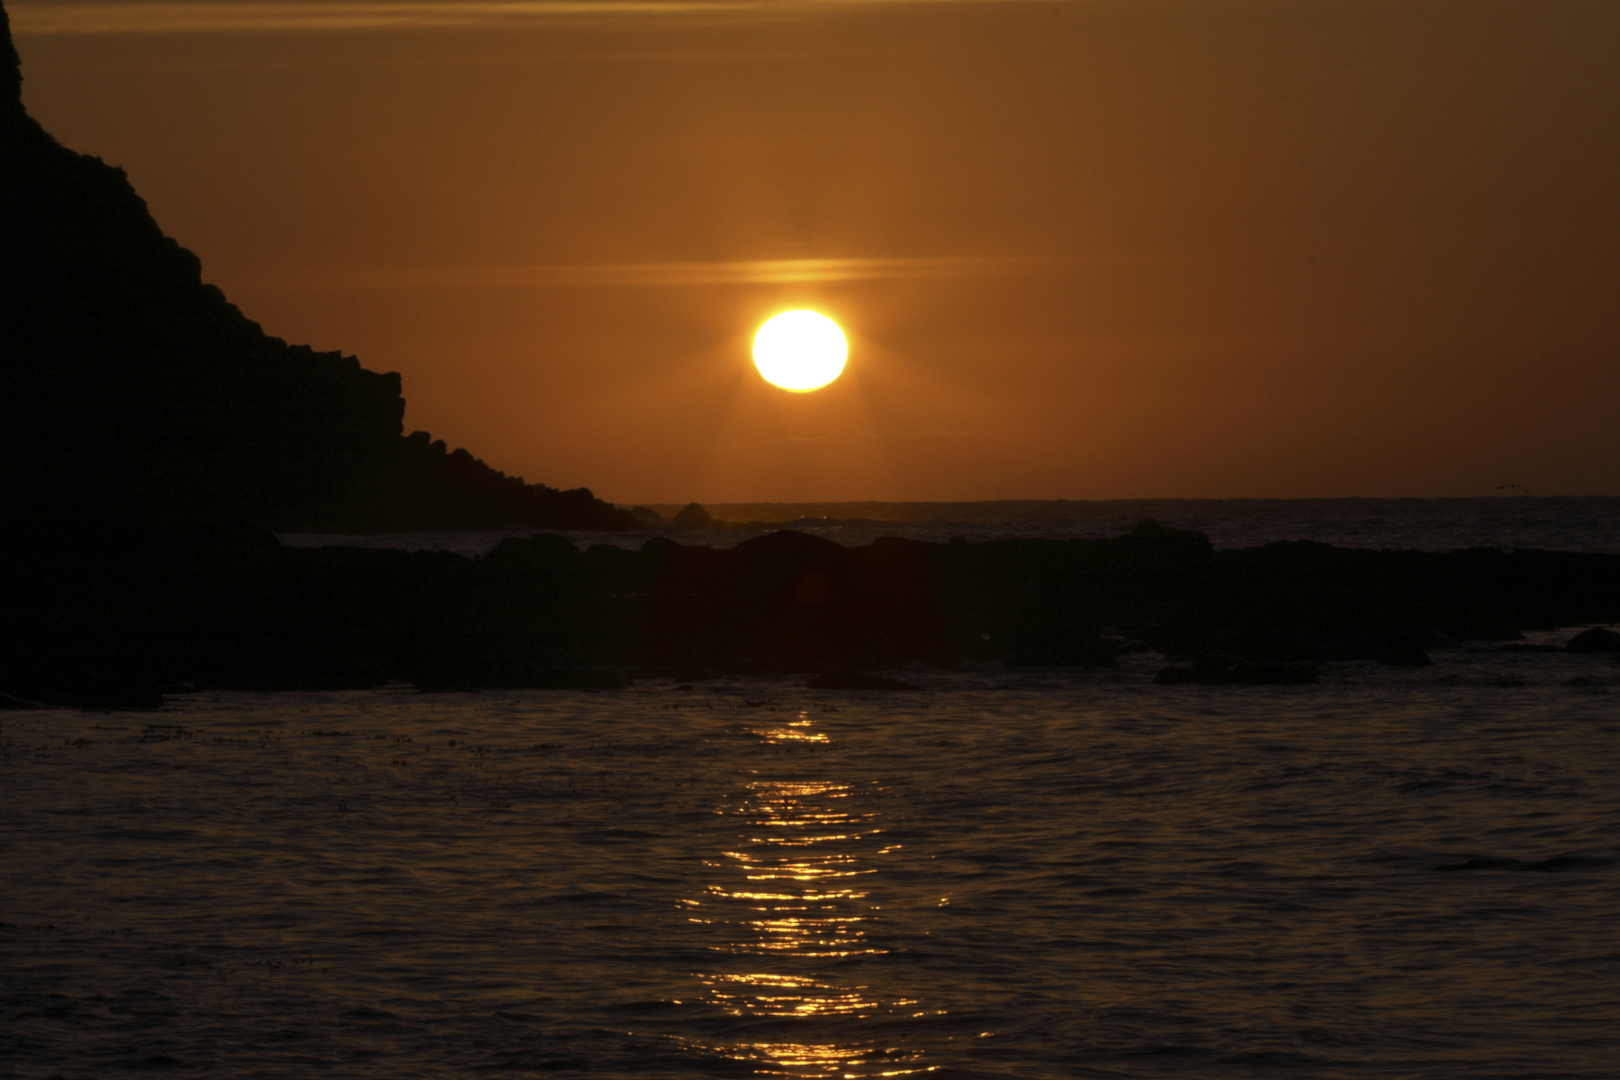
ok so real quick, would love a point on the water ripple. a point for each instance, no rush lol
(1061, 876)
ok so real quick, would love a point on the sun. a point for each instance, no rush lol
(800, 350)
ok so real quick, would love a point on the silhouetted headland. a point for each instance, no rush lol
(133, 390)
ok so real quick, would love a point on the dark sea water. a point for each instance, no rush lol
(1506, 522)
(1394, 874)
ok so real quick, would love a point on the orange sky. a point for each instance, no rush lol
(1110, 249)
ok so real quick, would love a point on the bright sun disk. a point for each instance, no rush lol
(800, 350)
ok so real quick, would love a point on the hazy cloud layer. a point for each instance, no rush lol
(205, 16)
(742, 272)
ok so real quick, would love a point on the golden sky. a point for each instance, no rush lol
(1103, 249)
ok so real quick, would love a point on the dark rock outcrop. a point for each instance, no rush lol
(1596, 640)
(1219, 670)
(131, 388)
(11, 106)
(1404, 654)
(104, 618)
(787, 600)
(692, 516)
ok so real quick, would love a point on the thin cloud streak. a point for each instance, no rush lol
(213, 16)
(749, 272)
(218, 16)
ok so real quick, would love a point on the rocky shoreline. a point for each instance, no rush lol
(105, 619)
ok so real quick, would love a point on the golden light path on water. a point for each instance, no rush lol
(791, 893)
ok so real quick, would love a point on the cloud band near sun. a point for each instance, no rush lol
(219, 16)
(241, 16)
(743, 272)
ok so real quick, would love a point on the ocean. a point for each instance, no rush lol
(1396, 873)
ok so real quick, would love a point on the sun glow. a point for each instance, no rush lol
(800, 351)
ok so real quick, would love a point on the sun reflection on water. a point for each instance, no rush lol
(790, 894)
(797, 731)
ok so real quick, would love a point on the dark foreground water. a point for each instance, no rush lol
(1396, 874)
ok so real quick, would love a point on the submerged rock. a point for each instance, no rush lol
(1554, 865)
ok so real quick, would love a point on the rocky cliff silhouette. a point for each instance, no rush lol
(129, 388)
